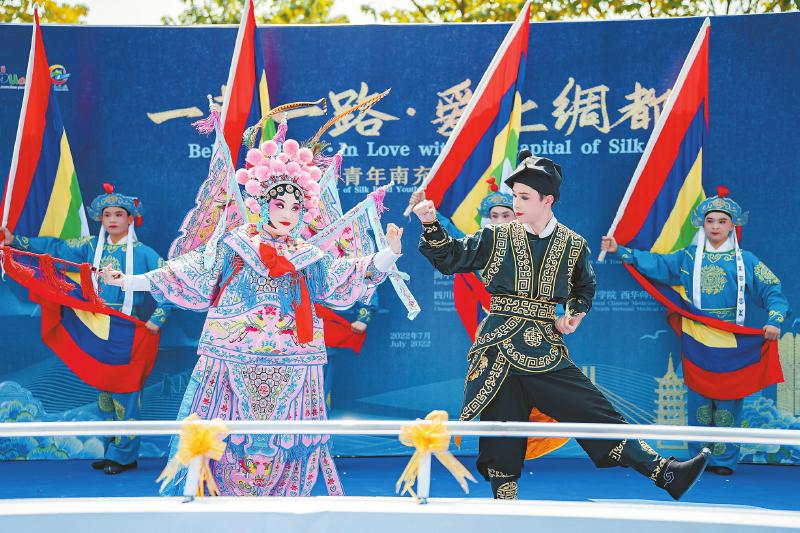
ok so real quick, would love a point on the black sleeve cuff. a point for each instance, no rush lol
(578, 305)
(434, 235)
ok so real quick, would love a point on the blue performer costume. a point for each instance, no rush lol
(121, 452)
(711, 282)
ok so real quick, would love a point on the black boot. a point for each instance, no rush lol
(504, 486)
(100, 465)
(113, 468)
(677, 477)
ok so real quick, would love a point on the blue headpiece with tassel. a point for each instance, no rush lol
(494, 198)
(113, 199)
(721, 203)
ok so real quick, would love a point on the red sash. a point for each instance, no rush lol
(279, 266)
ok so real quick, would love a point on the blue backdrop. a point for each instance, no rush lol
(592, 92)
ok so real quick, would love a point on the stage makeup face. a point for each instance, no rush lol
(530, 207)
(501, 215)
(284, 214)
(718, 227)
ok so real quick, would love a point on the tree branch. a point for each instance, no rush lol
(421, 10)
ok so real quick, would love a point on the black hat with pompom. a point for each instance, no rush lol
(539, 173)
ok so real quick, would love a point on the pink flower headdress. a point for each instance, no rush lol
(282, 165)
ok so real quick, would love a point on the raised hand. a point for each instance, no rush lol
(425, 211)
(394, 235)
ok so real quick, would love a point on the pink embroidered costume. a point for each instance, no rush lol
(262, 349)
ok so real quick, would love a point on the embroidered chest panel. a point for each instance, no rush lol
(523, 259)
(501, 241)
(532, 279)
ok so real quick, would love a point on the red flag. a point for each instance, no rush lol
(247, 93)
(470, 298)
(338, 331)
(105, 348)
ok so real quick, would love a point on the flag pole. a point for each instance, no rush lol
(12, 173)
(237, 48)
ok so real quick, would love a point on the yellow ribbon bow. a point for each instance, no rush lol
(201, 443)
(433, 439)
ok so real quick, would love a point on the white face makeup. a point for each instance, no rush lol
(284, 214)
(529, 207)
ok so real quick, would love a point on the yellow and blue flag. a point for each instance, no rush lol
(486, 138)
(247, 92)
(483, 144)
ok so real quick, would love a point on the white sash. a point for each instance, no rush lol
(127, 303)
(740, 275)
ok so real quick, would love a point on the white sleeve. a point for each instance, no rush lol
(384, 259)
(136, 283)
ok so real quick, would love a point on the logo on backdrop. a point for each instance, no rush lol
(59, 75)
(11, 80)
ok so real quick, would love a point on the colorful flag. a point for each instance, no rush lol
(42, 196)
(102, 346)
(485, 139)
(246, 97)
(483, 144)
(667, 184)
(105, 348)
(720, 360)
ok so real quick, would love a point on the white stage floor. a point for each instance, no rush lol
(378, 515)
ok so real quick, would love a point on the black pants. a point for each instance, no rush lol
(566, 395)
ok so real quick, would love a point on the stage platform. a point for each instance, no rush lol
(566, 494)
(385, 515)
(575, 480)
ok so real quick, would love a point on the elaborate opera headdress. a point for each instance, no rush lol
(282, 165)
